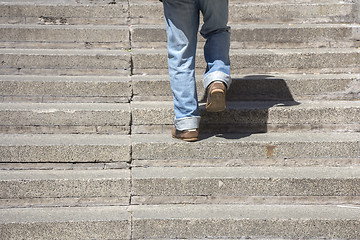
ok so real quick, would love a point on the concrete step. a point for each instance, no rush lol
(157, 117)
(264, 61)
(66, 223)
(245, 221)
(183, 221)
(65, 62)
(258, 87)
(250, 117)
(315, 185)
(151, 12)
(34, 188)
(117, 89)
(300, 148)
(27, 88)
(64, 148)
(263, 36)
(64, 12)
(65, 118)
(64, 36)
(259, 12)
(145, 36)
(245, 181)
(200, 185)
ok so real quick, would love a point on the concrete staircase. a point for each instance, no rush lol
(86, 114)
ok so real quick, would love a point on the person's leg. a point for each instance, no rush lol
(182, 23)
(217, 35)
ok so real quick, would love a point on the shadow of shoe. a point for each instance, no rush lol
(248, 102)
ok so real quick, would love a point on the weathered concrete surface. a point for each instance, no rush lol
(260, 12)
(66, 114)
(243, 146)
(356, 10)
(245, 220)
(246, 181)
(62, 13)
(262, 36)
(64, 148)
(264, 61)
(250, 117)
(64, 184)
(65, 86)
(305, 112)
(64, 59)
(260, 87)
(66, 223)
(67, 33)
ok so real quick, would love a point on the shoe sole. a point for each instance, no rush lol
(218, 102)
(187, 139)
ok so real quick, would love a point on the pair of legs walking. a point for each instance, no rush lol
(182, 25)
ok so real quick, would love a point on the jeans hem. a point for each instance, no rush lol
(187, 123)
(217, 76)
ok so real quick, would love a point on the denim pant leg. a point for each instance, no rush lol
(182, 24)
(217, 35)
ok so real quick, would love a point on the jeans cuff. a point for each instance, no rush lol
(217, 76)
(187, 123)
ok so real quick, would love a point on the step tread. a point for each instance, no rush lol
(246, 172)
(32, 78)
(59, 52)
(306, 137)
(63, 140)
(246, 212)
(264, 51)
(259, 104)
(245, 26)
(30, 175)
(108, 213)
(64, 107)
(73, 214)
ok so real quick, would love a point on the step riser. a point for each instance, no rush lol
(260, 13)
(65, 118)
(60, 149)
(262, 62)
(67, 202)
(61, 15)
(189, 229)
(59, 129)
(260, 87)
(117, 37)
(245, 187)
(295, 146)
(58, 60)
(65, 184)
(218, 128)
(65, 89)
(261, 151)
(266, 37)
(119, 14)
(270, 200)
(84, 230)
(318, 61)
(292, 37)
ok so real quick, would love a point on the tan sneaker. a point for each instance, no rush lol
(216, 97)
(186, 135)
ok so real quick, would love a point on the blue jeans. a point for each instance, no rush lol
(182, 25)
